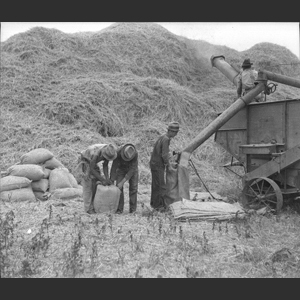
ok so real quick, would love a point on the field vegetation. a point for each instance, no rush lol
(123, 84)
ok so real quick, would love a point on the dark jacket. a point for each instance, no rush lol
(160, 154)
(128, 166)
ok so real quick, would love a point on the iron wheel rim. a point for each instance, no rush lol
(262, 191)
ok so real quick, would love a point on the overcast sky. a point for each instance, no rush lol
(235, 35)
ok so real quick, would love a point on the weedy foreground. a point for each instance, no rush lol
(57, 239)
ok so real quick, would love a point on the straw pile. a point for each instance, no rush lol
(118, 83)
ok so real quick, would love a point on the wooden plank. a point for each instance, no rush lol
(231, 140)
(266, 123)
(276, 165)
(237, 122)
(293, 124)
(258, 149)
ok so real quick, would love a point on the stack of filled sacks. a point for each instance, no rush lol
(16, 188)
(40, 175)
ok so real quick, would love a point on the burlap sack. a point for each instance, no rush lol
(36, 156)
(67, 193)
(53, 163)
(106, 199)
(39, 195)
(60, 178)
(30, 171)
(172, 185)
(47, 173)
(73, 180)
(11, 182)
(40, 185)
(22, 194)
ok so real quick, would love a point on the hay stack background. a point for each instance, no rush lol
(125, 83)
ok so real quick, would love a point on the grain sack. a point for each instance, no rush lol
(53, 163)
(13, 182)
(73, 180)
(59, 178)
(106, 198)
(32, 172)
(22, 194)
(66, 193)
(40, 185)
(39, 195)
(172, 185)
(47, 173)
(176, 189)
(36, 156)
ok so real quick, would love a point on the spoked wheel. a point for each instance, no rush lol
(261, 192)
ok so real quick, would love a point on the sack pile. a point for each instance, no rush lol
(16, 188)
(38, 175)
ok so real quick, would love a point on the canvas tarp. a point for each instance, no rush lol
(198, 210)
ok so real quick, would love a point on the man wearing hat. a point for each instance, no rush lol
(159, 163)
(90, 159)
(125, 168)
(246, 80)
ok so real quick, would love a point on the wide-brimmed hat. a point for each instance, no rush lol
(173, 126)
(109, 152)
(128, 152)
(247, 63)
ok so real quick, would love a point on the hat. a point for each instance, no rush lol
(173, 126)
(109, 152)
(128, 152)
(247, 63)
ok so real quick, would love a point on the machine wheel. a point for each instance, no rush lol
(260, 192)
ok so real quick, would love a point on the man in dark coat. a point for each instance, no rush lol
(159, 163)
(125, 168)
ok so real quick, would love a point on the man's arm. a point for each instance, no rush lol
(113, 171)
(239, 87)
(105, 169)
(165, 151)
(94, 170)
(133, 167)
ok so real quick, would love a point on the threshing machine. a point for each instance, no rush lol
(263, 137)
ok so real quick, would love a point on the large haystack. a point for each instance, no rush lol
(126, 82)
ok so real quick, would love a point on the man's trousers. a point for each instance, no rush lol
(89, 190)
(158, 188)
(133, 190)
